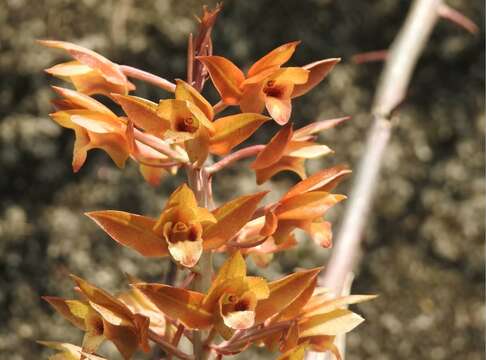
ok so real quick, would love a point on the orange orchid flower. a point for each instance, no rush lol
(278, 313)
(90, 72)
(189, 120)
(289, 149)
(266, 84)
(312, 321)
(96, 126)
(303, 210)
(301, 207)
(235, 301)
(103, 317)
(183, 230)
(319, 321)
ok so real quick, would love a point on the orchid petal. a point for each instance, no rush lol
(226, 77)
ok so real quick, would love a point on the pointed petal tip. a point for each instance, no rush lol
(48, 298)
(91, 214)
(48, 70)
(76, 278)
(139, 286)
(315, 271)
(43, 42)
(294, 43)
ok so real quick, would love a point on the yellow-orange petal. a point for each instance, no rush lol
(68, 69)
(253, 99)
(186, 92)
(63, 307)
(274, 150)
(182, 196)
(274, 59)
(94, 83)
(293, 75)
(143, 113)
(96, 122)
(283, 292)
(324, 180)
(90, 58)
(271, 223)
(308, 131)
(131, 230)
(234, 267)
(178, 304)
(83, 101)
(99, 297)
(326, 305)
(124, 338)
(239, 320)
(231, 217)
(317, 72)
(187, 253)
(198, 147)
(226, 77)
(115, 145)
(307, 206)
(321, 233)
(233, 130)
(336, 322)
(279, 109)
(295, 307)
(295, 165)
(307, 149)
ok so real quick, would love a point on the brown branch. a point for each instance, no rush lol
(233, 157)
(370, 56)
(448, 13)
(403, 56)
(147, 77)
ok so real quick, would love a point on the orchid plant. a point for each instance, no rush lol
(220, 312)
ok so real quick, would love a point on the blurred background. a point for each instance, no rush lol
(424, 243)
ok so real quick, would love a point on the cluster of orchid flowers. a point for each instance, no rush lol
(290, 315)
